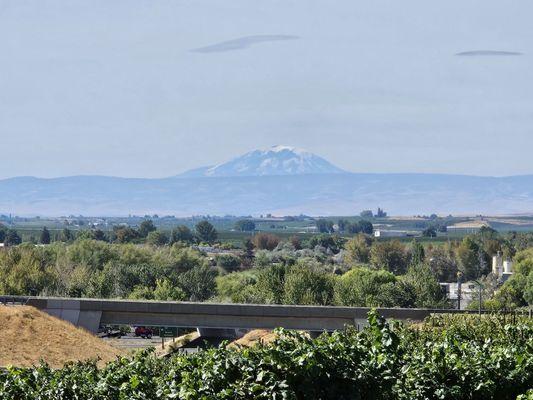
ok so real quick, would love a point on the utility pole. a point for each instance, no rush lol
(481, 267)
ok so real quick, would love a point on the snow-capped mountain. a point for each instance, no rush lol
(277, 160)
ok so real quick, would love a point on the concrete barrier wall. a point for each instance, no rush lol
(90, 313)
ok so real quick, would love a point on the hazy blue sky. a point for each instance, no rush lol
(151, 88)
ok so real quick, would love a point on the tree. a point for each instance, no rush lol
(24, 270)
(157, 238)
(265, 241)
(245, 225)
(390, 256)
(429, 232)
(181, 234)
(100, 235)
(238, 287)
(270, 284)
(146, 227)
(418, 253)
(206, 232)
(366, 227)
(166, 291)
(198, 283)
(343, 225)
(295, 242)
(125, 234)
(229, 262)
(367, 214)
(307, 285)
(12, 238)
(426, 288)
(443, 264)
(528, 290)
(2, 233)
(358, 249)
(248, 256)
(67, 235)
(353, 228)
(324, 226)
(517, 291)
(45, 236)
(468, 256)
(363, 287)
(333, 243)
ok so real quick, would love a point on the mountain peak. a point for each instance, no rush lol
(276, 160)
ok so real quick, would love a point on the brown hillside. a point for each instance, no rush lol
(253, 337)
(28, 335)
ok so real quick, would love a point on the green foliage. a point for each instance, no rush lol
(333, 243)
(265, 241)
(448, 358)
(23, 271)
(367, 214)
(364, 287)
(157, 238)
(443, 263)
(429, 232)
(358, 249)
(237, 287)
(425, 287)
(270, 284)
(12, 238)
(146, 227)
(468, 255)
(229, 262)
(181, 234)
(324, 226)
(125, 234)
(206, 232)
(365, 227)
(198, 283)
(45, 236)
(528, 290)
(66, 235)
(307, 284)
(517, 291)
(245, 225)
(164, 290)
(390, 256)
(418, 254)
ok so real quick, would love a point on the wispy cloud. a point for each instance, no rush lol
(488, 53)
(242, 43)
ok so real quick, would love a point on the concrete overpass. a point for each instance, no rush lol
(91, 313)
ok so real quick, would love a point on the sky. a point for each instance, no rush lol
(141, 88)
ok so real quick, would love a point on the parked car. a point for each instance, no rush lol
(144, 332)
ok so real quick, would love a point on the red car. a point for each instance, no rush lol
(143, 332)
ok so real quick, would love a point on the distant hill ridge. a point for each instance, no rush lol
(281, 180)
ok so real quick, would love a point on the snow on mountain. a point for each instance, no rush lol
(277, 160)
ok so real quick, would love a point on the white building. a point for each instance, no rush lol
(461, 294)
(503, 269)
(381, 233)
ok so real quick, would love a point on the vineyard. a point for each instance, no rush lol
(447, 357)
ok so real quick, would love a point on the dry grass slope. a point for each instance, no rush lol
(28, 335)
(254, 337)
